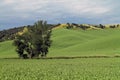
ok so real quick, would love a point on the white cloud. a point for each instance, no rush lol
(76, 7)
(27, 5)
(85, 7)
(8, 2)
(54, 10)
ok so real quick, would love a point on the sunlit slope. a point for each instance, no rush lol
(85, 43)
(7, 50)
(76, 43)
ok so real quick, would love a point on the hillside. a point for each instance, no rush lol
(85, 43)
(10, 33)
(76, 43)
(7, 49)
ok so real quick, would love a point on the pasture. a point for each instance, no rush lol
(60, 69)
(76, 43)
(67, 43)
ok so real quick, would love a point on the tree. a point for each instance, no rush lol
(35, 40)
(101, 26)
(41, 34)
(21, 42)
(112, 26)
(69, 26)
(118, 25)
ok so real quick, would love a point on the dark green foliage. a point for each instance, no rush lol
(20, 44)
(101, 26)
(74, 24)
(69, 26)
(87, 26)
(84, 27)
(118, 25)
(9, 34)
(35, 41)
(41, 34)
(112, 26)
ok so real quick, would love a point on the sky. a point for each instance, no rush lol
(15, 13)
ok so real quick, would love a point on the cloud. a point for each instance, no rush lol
(16, 11)
(85, 7)
(76, 7)
(9, 1)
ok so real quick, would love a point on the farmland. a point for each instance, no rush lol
(85, 43)
(76, 43)
(60, 69)
(67, 43)
(59, 40)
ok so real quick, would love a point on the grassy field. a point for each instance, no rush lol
(76, 43)
(61, 69)
(67, 43)
(7, 50)
(84, 43)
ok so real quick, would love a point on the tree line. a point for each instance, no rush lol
(10, 33)
(87, 26)
(34, 41)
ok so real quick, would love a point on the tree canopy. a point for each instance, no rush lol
(33, 41)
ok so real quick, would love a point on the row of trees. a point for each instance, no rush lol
(86, 26)
(34, 41)
(9, 34)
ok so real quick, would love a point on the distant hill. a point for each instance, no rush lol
(9, 34)
(86, 26)
(85, 42)
(76, 42)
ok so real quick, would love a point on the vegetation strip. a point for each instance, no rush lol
(71, 57)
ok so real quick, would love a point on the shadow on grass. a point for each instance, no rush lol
(77, 57)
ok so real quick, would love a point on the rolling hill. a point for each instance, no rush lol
(70, 42)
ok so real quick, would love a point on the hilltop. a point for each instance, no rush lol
(76, 42)
(10, 33)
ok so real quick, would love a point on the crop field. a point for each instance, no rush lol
(60, 69)
(67, 43)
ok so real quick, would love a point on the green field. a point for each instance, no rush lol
(84, 43)
(67, 43)
(76, 43)
(60, 69)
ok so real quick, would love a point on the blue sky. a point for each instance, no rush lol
(14, 13)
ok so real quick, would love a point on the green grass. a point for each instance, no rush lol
(7, 50)
(76, 43)
(60, 69)
(85, 43)
(67, 43)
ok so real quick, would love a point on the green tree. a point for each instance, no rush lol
(41, 34)
(69, 26)
(101, 26)
(34, 40)
(21, 42)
